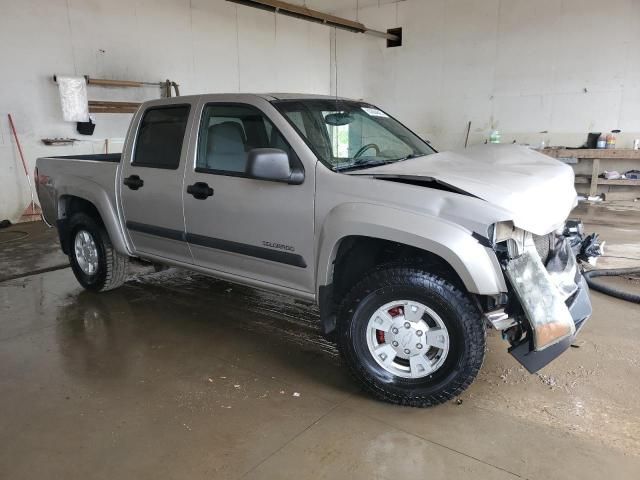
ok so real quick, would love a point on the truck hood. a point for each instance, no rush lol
(537, 190)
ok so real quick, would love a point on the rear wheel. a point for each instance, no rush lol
(94, 261)
(410, 337)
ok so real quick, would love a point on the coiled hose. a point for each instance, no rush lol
(614, 292)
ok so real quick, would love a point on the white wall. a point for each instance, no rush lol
(206, 46)
(520, 66)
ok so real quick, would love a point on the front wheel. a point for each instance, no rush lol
(410, 337)
(94, 261)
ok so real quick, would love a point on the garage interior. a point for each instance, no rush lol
(181, 375)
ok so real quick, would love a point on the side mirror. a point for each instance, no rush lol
(272, 164)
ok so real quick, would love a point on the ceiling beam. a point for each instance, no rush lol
(310, 15)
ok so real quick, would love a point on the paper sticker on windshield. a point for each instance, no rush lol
(374, 112)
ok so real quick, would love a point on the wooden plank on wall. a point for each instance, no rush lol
(104, 106)
(619, 181)
(613, 196)
(602, 153)
(594, 177)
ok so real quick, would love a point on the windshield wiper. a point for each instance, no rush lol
(409, 157)
(356, 165)
(364, 163)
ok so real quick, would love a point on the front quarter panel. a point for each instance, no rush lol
(476, 265)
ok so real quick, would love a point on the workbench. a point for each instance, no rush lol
(597, 155)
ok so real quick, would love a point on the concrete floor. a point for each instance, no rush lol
(177, 375)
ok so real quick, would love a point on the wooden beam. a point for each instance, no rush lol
(595, 171)
(601, 153)
(619, 181)
(613, 196)
(108, 103)
(303, 12)
(112, 110)
(104, 106)
(113, 83)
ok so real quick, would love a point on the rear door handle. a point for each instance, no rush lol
(200, 190)
(134, 182)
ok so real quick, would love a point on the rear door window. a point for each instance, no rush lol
(160, 137)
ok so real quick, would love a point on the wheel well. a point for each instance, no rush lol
(358, 255)
(68, 205)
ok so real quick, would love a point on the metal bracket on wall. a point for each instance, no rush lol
(167, 88)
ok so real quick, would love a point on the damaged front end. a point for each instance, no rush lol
(548, 300)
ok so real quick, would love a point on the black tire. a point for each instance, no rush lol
(112, 266)
(462, 318)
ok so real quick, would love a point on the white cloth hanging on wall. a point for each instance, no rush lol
(73, 98)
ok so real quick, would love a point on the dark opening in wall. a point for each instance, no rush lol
(398, 33)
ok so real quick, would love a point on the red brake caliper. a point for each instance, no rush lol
(394, 312)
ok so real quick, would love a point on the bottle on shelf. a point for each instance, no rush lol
(611, 139)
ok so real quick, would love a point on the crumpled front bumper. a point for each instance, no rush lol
(554, 297)
(580, 310)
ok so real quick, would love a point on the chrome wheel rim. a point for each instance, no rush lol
(407, 339)
(86, 252)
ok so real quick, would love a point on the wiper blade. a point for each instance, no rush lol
(357, 165)
(362, 163)
(409, 157)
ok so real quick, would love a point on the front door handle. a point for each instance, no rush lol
(134, 182)
(200, 190)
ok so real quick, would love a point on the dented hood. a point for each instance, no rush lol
(537, 190)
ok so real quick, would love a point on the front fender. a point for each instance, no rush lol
(474, 263)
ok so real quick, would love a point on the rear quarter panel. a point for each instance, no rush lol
(94, 181)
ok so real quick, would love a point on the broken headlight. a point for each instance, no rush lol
(515, 239)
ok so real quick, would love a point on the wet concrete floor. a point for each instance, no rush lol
(176, 375)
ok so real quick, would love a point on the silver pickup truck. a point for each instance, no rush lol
(410, 254)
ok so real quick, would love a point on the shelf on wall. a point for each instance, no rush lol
(103, 106)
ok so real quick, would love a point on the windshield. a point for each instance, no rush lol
(345, 134)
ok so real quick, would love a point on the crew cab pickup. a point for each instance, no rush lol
(411, 254)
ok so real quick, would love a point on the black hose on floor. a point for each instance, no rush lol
(606, 289)
(21, 236)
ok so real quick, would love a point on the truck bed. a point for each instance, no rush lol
(92, 176)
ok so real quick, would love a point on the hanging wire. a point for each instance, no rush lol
(335, 76)
(238, 47)
(335, 61)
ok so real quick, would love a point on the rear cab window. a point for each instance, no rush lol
(160, 137)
